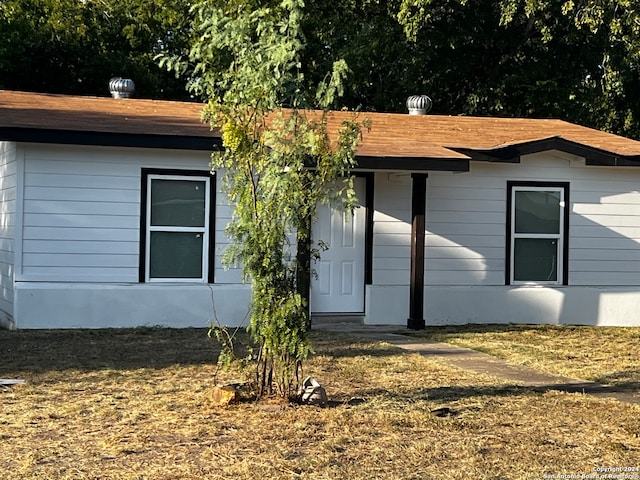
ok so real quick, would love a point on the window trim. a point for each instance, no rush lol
(208, 243)
(563, 236)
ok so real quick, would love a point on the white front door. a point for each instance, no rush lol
(339, 286)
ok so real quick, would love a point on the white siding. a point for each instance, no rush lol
(81, 215)
(224, 212)
(8, 183)
(605, 228)
(392, 229)
(78, 261)
(466, 216)
(465, 247)
(80, 222)
(465, 228)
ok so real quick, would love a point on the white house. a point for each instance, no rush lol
(110, 217)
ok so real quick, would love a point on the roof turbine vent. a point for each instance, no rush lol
(419, 104)
(121, 87)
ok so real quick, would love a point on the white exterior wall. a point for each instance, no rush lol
(79, 259)
(465, 222)
(77, 235)
(8, 175)
(387, 298)
(464, 264)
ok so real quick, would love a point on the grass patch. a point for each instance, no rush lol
(135, 404)
(608, 355)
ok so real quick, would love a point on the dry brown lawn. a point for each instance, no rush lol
(608, 355)
(135, 404)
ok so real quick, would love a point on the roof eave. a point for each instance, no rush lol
(415, 164)
(512, 153)
(110, 139)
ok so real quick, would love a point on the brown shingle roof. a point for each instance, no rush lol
(391, 135)
(434, 135)
(100, 114)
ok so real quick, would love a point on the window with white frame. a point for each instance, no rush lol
(537, 232)
(177, 241)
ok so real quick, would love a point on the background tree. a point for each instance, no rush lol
(246, 62)
(572, 59)
(579, 61)
(76, 46)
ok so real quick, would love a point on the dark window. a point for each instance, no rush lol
(537, 232)
(176, 231)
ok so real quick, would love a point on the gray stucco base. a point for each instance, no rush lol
(82, 305)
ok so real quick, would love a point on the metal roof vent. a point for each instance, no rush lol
(419, 104)
(121, 87)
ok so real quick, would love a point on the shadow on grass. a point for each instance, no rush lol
(624, 379)
(345, 346)
(444, 393)
(122, 349)
(34, 351)
(450, 394)
(134, 348)
(437, 333)
(358, 350)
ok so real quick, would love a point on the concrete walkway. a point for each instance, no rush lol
(479, 362)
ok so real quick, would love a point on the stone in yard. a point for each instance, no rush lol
(313, 393)
(223, 395)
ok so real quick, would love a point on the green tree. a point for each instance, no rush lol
(247, 64)
(573, 59)
(76, 46)
(576, 60)
(382, 62)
